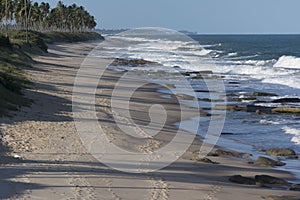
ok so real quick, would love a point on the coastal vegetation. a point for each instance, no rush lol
(26, 27)
(28, 15)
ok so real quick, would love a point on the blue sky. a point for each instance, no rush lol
(204, 16)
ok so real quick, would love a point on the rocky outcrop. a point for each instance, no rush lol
(287, 100)
(286, 110)
(233, 83)
(229, 108)
(261, 109)
(257, 109)
(280, 152)
(242, 180)
(204, 160)
(266, 179)
(241, 99)
(132, 62)
(197, 73)
(268, 162)
(227, 133)
(281, 198)
(260, 181)
(265, 94)
(295, 187)
(220, 152)
(292, 157)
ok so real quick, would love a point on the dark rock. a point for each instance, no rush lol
(204, 114)
(287, 100)
(226, 133)
(258, 112)
(199, 76)
(246, 99)
(295, 187)
(233, 83)
(197, 73)
(280, 152)
(206, 72)
(229, 153)
(265, 94)
(231, 95)
(213, 154)
(261, 109)
(242, 180)
(265, 179)
(186, 73)
(204, 160)
(268, 162)
(205, 91)
(292, 157)
(132, 63)
(205, 99)
(281, 198)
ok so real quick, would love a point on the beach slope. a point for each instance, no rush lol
(51, 162)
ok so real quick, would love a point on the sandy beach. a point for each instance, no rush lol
(52, 163)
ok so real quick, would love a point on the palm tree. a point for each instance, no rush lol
(7, 14)
(19, 13)
(27, 7)
(23, 14)
(45, 10)
(36, 17)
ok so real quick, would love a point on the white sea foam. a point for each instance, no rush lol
(270, 105)
(288, 62)
(232, 54)
(256, 62)
(203, 52)
(244, 57)
(191, 56)
(211, 45)
(268, 122)
(293, 131)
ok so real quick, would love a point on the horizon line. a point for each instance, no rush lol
(199, 33)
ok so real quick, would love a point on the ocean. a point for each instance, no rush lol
(247, 64)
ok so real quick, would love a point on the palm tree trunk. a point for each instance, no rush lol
(6, 14)
(26, 21)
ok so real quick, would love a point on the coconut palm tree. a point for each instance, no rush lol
(24, 14)
(7, 13)
(36, 17)
(27, 8)
(19, 13)
(45, 10)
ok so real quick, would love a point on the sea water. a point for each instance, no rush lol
(264, 63)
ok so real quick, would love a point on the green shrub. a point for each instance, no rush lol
(4, 41)
(12, 78)
(35, 40)
(53, 36)
(12, 81)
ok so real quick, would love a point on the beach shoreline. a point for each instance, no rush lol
(45, 138)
